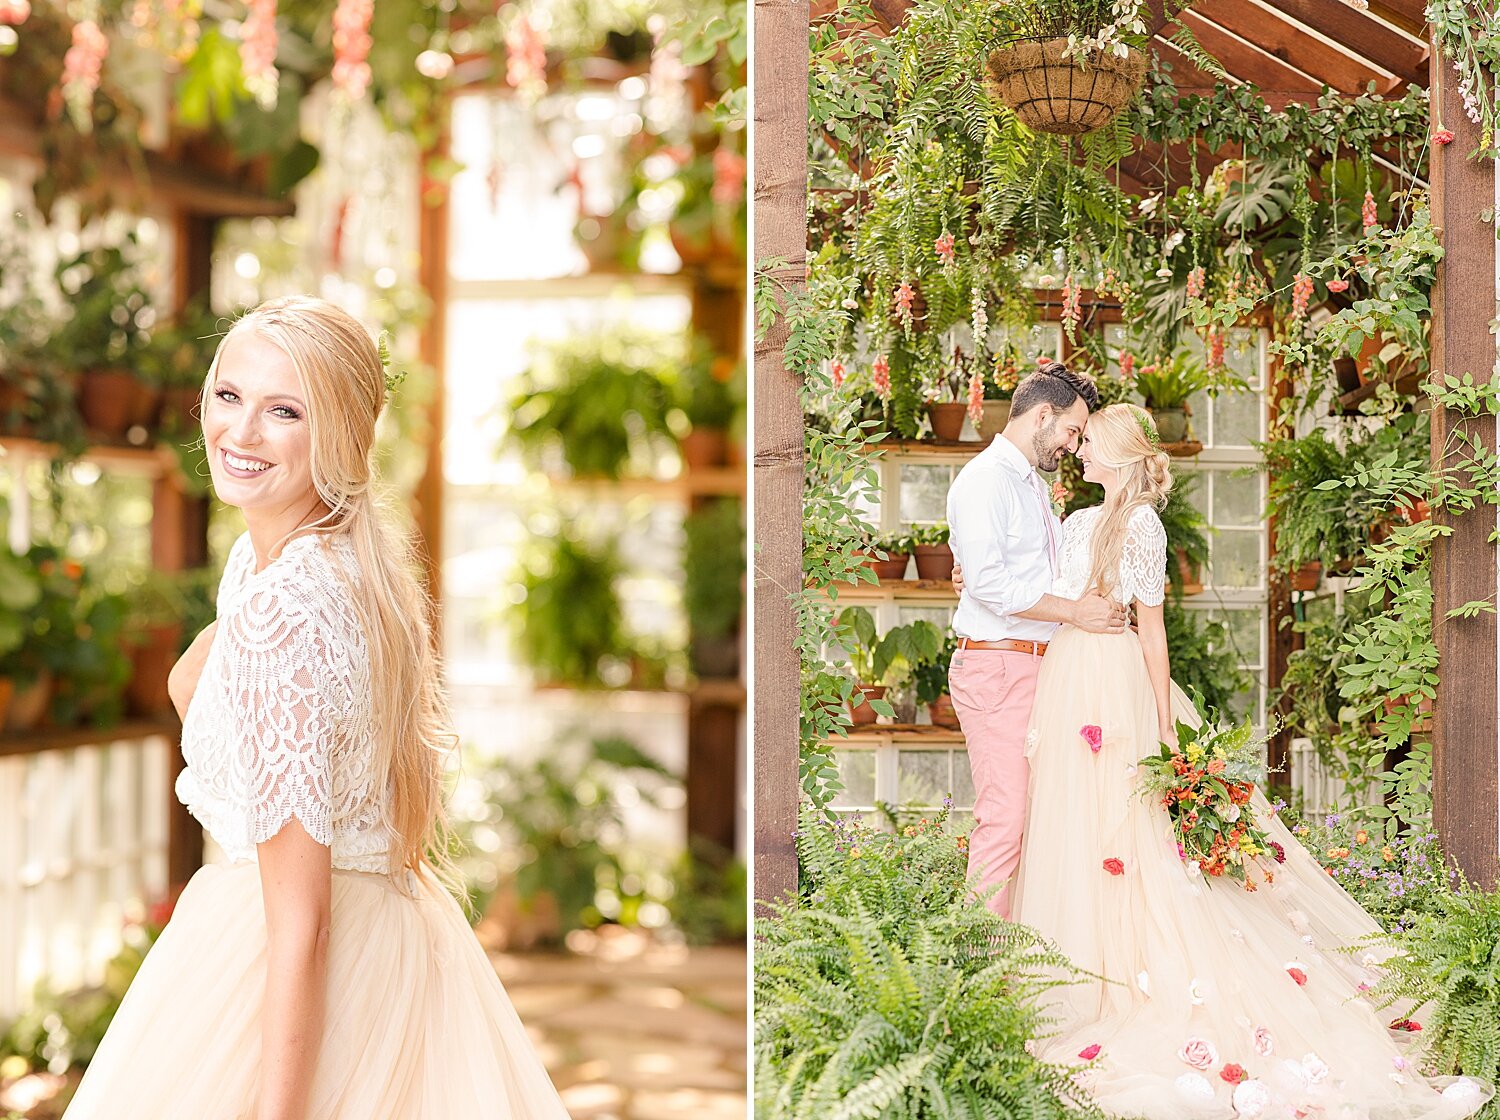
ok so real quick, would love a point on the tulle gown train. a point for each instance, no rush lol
(1202, 975)
(417, 1025)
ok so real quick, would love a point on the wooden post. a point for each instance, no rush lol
(1466, 797)
(432, 242)
(781, 67)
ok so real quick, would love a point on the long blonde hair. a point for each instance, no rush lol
(1123, 437)
(343, 381)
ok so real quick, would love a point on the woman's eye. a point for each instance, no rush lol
(225, 395)
(286, 412)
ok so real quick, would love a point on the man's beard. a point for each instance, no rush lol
(1048, 455)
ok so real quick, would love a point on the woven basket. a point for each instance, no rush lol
(1050, 93)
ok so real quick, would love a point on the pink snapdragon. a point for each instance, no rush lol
(1368, 214)
(258, 51)
(881, 375)
(525, 54)
(351, 46)
(944, 247)
(1302, 289)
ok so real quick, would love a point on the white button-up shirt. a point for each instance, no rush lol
(1005, 535)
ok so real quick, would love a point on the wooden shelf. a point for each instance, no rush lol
(1348, 404)
(62, 738)
(870, 736)
(933, 447)
(690, 484)
(1186, 449)
(726, 692)
(939, 589)
(152, 455)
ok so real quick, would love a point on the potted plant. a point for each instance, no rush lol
(856, 629)
(154, 629)
(713, 585)
(176, 359)
(948, 400)
(91, 671)
(594, 406)
(49, 635)
(1166, 386)
(888, 555)
(1187, 541)
(931, 678)
(20, 591)
(932, 551)
(707, 391)
(101, 338)
(1068, 67)
(898, 654)
(998, 388)
(1316, 525)
(709, 219)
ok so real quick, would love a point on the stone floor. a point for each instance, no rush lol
(631, 1029)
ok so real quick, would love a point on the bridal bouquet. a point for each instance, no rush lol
(1205, 784)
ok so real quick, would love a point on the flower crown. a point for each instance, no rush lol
(1148, 427)
(392, 380)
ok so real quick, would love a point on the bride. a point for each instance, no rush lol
(1214, 1002)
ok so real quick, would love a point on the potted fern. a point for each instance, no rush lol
(1316, 525)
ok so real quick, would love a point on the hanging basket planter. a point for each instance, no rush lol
(1052, 93)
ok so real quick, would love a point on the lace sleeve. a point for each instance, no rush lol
(1143, 559)
(241, 559)
(283, 711)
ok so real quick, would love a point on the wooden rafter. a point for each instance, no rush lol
(1247, 61)
(1385, 46)
(1262, 25)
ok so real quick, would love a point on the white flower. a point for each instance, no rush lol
(1164, 273)
(1143, 981)
(1149, 204)
(1292, 1074)
(1369, 960)
(1194, 1087)
(1029, 1046)
(1174, 239)
(1466, 1091)
(1399, 1062)
(1262, 1042)
(1193, 868)
(1199, 1053)
(1251, 1098)
(1315, 1068)
(1232, 813)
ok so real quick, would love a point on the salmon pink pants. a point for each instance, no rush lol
(992, 691)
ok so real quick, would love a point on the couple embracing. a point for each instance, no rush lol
(1208, 1002)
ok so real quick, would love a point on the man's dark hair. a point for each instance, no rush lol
(1057, 385)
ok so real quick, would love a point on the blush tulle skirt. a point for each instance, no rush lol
(1196, 976)
(416, 1026)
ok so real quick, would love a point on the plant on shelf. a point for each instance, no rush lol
(931, 678)
(176, 359)
(708, 218)
(91, 667)
(1166, 385)
(1316, 527)
(593, 407)
(556, 859)
(713, 564)
(1203, 658)
(889, 554)
(933, 553)
(948, 397)
(855, 629)
(1187, 538)
(886, 662)
(710, 388)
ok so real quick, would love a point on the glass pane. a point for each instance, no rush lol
(1032, 341)
(1234, 559)
(857, 769)
(924, 493)
(938, 616)
(1242, 355)
(1246, 634)
(963, 782)
(1236, 500)
(1238, 419)
(922, 778)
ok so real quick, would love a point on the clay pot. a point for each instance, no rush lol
(1171, 423)
(1423, 722)
(992, 422)
(150, 662)
(861, 714)
(1346, 373)
(1307, 577)
(942, 713)
(112, 401)
(7, 690)
(177, 409)
(892, 568)
(947, 420)
(703, 448)
(28, 703)
(934, 561)
(693, 253)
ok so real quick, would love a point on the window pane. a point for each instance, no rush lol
(857, 769)
(1236, 500)
(1237, 419)
(924, 493)
(1234, 559)
(922, 778)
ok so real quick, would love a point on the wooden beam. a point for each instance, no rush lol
(1409, 15)
(1382, 44)
(780, 179)
(1246, 61)
(432, 241)
(1465, 773)
(1263, 26)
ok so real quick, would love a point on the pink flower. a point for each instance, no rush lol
(729, 177)
(905, 296)
(1232, 1073)
(1199, 1053)
(1442, 136)
(1089, 1053)
(1127, 365)
(258, 50)
(1369, 216)
(82, 64)
(882, 376)
(14, 12)
(1195, 283)
(525, 54)
(1261, 1041)
(837, 371)
(1302, 289)
(1338, 285)
(351, 46)
(1410, 1025)
(1092, 735)
(1114, 866)
(943, 246)
(1297, 974)
(976, 394)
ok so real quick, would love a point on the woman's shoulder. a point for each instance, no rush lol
(305, 585)
(1145, 520)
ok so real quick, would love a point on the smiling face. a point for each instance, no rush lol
(1058, 432)
(1093, 470)
(256, 433)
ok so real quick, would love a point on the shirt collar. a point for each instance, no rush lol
(1010, 455)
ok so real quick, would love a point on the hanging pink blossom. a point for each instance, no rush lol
(881, 371)
(81, 68)
(906, 295)
(1072, 299)
(258, 50)
(525, 54)
(1442, 136)
(944, 248)
(837, 371)
(1195, 282)
(1338, 285)
(729, 177)
(1302, 289)
(1215, 350)
(14, 12)
(351, 46)
(976, 394)
(1369, 214)
(1127, 365)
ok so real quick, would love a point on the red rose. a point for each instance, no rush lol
(1089, 1053)
(1442, 136)
(1410, 1025)
(1298, 975)
(1233, 1073)
(1114, 866)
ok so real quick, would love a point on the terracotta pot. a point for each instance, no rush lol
(892, 568)
(692, 252)
(150, 662)
(942, 713)
(178, 409)
(112, 401)
(1346, 373)
(1189, 578)
(1423, 722)
(934, 561)
(992, 423)
(1414, 513)
(947, 420)
(1171, 423)
(861, 714)
(703, 448)
(1307, 577)
(28, 703)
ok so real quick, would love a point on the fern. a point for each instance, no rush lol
(1185, 41)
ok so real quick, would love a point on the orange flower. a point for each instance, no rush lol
(72, 569)
(1216, 766)
(1361, 837)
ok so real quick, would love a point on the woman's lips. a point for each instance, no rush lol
(241, 472)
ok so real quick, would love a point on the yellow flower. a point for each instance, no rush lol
(1193, 751)
(1386, 854)
(853, 853)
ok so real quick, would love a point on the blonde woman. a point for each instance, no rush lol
(323, 972)
(1199, 1012)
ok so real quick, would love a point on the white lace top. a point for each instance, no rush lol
(1143, 559)
(280, 725)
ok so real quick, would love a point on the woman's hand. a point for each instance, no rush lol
(958, 578)
(182, 681)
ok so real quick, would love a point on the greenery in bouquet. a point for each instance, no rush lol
(888, 988)
(1205, 783)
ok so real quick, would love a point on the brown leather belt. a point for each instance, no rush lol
(1014, 645)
